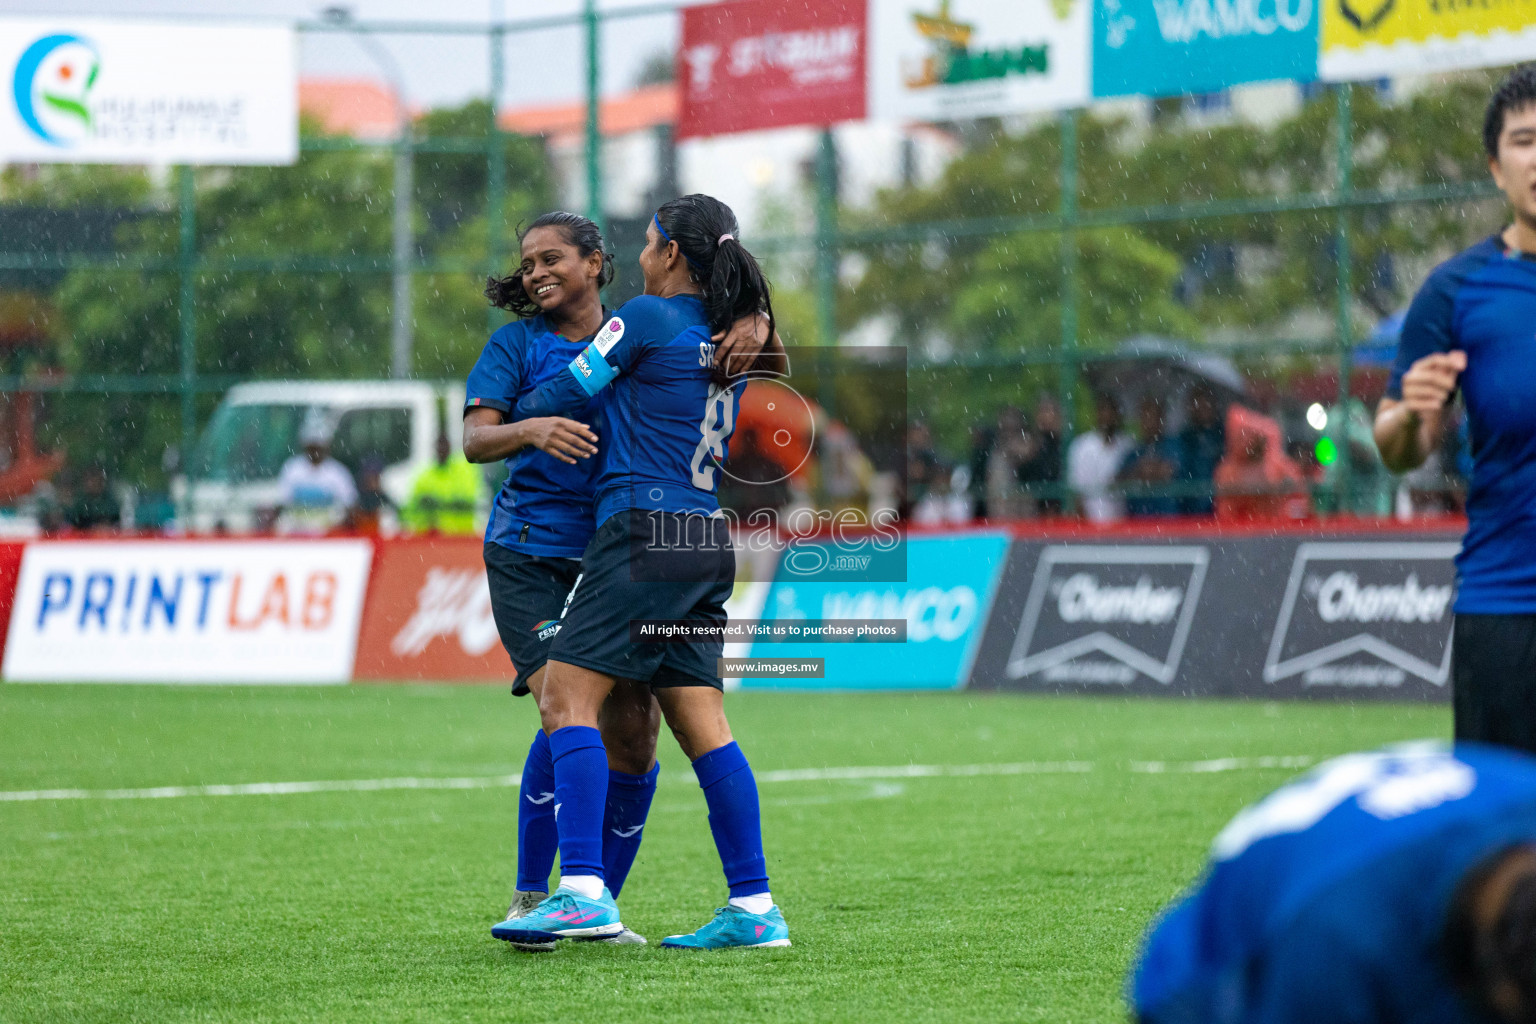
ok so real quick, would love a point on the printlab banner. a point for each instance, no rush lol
(755, 64)
(1167, 47)
(90, 90)
(1381, 38)
(187, 611)
(1348, 616)
(944, 600)
(937, 60)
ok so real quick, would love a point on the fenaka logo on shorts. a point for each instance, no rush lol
(1365, 614)
(608, 337)
(547, 628)
(1108, 614)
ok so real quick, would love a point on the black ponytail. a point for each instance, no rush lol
(706, 233)
(507, 292)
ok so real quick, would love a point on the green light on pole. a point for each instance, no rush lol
(1327, 451)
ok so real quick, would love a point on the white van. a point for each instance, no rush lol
(232, 474)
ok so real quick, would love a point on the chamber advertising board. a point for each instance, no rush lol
(754, 64)
(95, 90)
(187, 611)
(944, 600)
(1381, 38)
(1169, 47)
(938, 60)
(1263, 616)
(429, 615)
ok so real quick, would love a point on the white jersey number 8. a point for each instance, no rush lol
(715, 429)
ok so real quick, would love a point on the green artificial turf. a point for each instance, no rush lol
(970, 898)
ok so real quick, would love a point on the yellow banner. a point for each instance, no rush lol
(1351, 24)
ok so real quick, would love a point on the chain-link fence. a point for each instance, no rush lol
(1018, 275)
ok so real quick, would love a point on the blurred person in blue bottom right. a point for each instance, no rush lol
(1395, 886)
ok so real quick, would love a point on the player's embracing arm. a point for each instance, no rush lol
(1423, 379)
(489, 393)
(613, 352)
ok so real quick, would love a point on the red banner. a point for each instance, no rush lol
(429, 615)
(752, 64)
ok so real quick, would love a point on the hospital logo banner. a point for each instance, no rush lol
(85, 90)
(938, 60)
(1169, 47)
(1381, 38)
(755, 64)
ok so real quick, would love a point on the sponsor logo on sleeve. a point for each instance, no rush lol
(583, 366)
(1365, 615)
(1108, 615)
(609, 336)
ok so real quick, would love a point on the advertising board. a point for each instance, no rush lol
(187, 611)
(1380, 38)
(755, 64)
(1261, 616)
(944, 600)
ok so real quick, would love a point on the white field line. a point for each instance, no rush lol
(861, 773)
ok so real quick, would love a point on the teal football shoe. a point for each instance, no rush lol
(733, 927)
(566, 914)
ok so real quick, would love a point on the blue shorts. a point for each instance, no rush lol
(650, 566)
(528, 594)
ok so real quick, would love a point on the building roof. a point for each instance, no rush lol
(358, 107)
(645, 107)
(365, 109)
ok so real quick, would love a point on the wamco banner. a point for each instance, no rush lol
(943, 599)
(1167, 47)
(1381, 38)
(937, 60)
(86, 90)
(1356, 616)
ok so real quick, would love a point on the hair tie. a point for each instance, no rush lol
(721, 240)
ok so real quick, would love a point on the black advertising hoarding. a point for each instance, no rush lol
(1342, 614)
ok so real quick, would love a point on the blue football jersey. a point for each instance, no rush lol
(1483, 301)
(1327, 900)
(545, 505)
(668, 426)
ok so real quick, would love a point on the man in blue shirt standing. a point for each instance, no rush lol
(1472, 328)
(1393, 887)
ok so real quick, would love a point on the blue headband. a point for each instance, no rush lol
(657, 221)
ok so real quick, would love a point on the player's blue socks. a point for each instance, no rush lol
(581, 791)
(537, 839)
(731, 793)
(629, 801)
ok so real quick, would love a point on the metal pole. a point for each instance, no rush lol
(400, 261)
(594, 100)
(826, 238)
(400, 328)
(187, 308)
(1339, 424)
(1068, 373)
(496, 167)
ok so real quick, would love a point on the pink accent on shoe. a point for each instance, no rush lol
(760, 929)
(588, 917)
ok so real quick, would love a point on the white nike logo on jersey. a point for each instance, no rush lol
(625, 833)
(543, 798)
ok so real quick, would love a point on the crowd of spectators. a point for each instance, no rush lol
(1189, 455)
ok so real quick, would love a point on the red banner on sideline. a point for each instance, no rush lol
(753, 64)
(429, 615)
